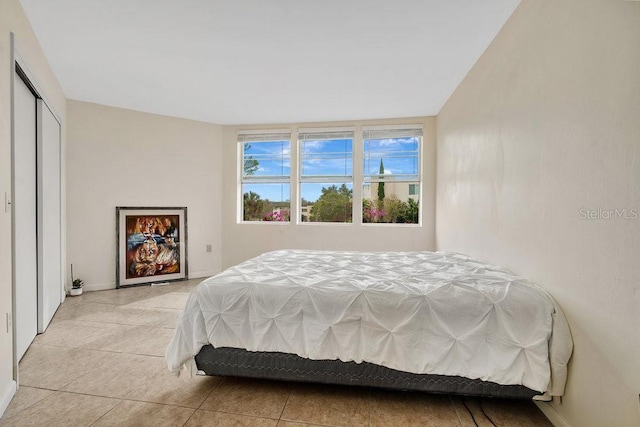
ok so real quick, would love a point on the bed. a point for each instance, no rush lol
(432, 321)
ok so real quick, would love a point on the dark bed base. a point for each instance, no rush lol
(290, 367)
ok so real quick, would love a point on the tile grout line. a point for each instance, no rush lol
(95, 349)
(190, 416)
(455, 410)
(241, 414)
(210, 393)
(116, 323)
(202, 403)
(100, 322)
(100, 350)
(285, 403)
(105, 414)
(123, 399)
(29, 406)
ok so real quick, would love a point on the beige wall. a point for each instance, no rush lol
(119, 157)
(244, 241)
(548, 123)
(13, 19)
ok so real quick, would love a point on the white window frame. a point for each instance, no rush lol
(357, 179)
(327, 134)
(394, 131)
(257, 137)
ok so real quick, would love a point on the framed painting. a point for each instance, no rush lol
(151, 245)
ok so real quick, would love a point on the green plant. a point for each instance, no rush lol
(75, 283)
(334, 205)
(250, 164)
(381, 187)
(393, 209)
(412, 212)
(253, 206)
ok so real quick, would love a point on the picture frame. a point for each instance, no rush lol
(151, 245)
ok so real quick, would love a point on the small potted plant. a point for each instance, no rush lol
(76, 285)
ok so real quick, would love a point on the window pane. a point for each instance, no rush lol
(326, 202)
(391, 191)
(267, 158)
(394, 158)
(329, 157)
(266, 202)
(390, 202)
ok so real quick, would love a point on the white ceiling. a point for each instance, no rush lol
(266, 61)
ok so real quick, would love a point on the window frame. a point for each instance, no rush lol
(258, 137)
(357, 179)
(394, 131)
(349, 132)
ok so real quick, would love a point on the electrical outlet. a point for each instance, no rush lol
(209, 248)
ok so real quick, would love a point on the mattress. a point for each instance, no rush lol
(417, 312)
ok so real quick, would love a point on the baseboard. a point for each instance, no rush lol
(551, 413)
(112, 285)
(202, 274)
(99, 286)
(7, 396)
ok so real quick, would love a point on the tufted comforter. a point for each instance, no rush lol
(420, 312)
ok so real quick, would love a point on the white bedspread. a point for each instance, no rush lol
(420, 312)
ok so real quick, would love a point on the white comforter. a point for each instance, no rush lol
(420, 312)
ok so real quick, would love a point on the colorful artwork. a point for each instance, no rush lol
(154, 245)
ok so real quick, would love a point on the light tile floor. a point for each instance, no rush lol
(101, 363)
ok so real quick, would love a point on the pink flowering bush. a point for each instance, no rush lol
(280, 216)
(373, 214)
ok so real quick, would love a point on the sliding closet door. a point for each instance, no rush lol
(25, 253)
(49, 216)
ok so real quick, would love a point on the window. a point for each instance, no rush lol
(388, 186)
(390, 191)
(265, 176)
(326, 175)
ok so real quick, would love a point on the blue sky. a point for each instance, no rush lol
(273, 157)
(399, 155)
(328, 157)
